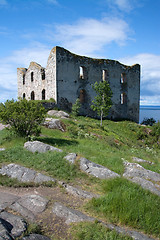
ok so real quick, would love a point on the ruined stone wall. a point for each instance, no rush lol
(51, 76)
(70, 85)
(37, 79)
(69, 76)
(30, 80)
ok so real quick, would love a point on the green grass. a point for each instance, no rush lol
(95, 231)
(52, 163)
(127, 203)
(123, 202)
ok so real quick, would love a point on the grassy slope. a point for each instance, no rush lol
(108, 146)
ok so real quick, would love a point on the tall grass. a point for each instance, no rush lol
(127, 203)
(95, 231)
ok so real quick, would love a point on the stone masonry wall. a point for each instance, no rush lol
(69, 76)
(71, 86)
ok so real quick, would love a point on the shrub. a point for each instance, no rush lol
(76, 107)
(23, 116)
(148, 121)
(156, 131)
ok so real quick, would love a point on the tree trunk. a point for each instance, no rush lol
(101, 117)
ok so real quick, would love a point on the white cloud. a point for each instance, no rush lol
(19, 58)
(124, 5)
(53, 2)
(3, 2)
(150, 76)
(90, 35)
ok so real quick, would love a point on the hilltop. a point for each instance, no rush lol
(123, 201)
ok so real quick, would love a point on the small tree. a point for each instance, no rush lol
(102, 102)
(23, 116)
(76, 107)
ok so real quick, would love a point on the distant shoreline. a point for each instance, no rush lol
(149, 107)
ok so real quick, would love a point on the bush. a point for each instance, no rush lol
(76, 107)
(156, 131)
(148, 121)
(23, 116)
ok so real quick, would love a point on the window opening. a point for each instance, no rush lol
(24, 95)
(123, 98)
(123, 77)
(43, 94)
(23, 79)
(43, 74)
(32, 76)
(82, 72)
(104, 75)
(32, 95)
(82, 96)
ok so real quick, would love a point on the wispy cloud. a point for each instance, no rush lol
(55, 2)
(150, 76)
(20, 58)
(3, 2)
(124, 5)
(87, 36)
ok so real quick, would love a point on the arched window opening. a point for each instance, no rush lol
(43, 74)
(32, 95)
(104, 75)
(123, 98)
(82, 96)
(82, 72)
(23, 79)
(43, 94)
(24, 95)
(32, 76)
(123, 78)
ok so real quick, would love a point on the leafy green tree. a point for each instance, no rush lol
(23, 116)
(102, 102)
(76, 107)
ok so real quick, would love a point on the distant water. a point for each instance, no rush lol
(149, 112)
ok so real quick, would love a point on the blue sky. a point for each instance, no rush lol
(124, 30)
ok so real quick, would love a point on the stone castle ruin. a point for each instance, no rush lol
(68, 76)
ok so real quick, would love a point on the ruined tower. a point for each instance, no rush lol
(68, 76)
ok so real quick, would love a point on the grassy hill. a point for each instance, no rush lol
(122, 202)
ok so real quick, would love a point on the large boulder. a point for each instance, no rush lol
(136, 170)
(96, 169)
(52, 123)
(70, 215)
(56, 113)
(37, 146)
(24, 174)
(15, 225)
